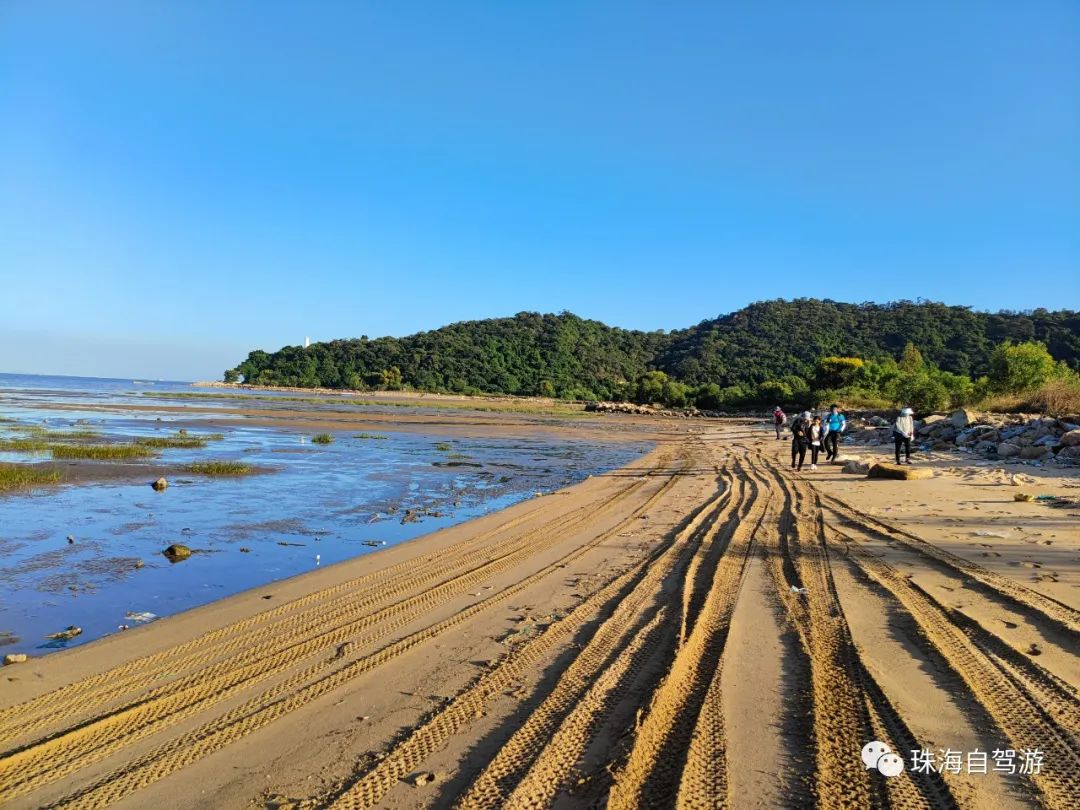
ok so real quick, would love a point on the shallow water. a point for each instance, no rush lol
(317, 505)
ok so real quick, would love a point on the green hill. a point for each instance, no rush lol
(570, 357)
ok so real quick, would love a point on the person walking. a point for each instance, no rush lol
(815, 435)
(835, 425)
(800, 439)
(779, 420)
(903, 433)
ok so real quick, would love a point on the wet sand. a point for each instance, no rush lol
(674, 632)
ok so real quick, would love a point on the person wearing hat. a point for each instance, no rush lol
(800, 439)
(903, 433)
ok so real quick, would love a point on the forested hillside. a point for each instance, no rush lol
(772, 339)
(566, 356)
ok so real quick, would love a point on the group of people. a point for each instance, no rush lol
(814, 431)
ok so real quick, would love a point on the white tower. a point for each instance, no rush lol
(307, 342)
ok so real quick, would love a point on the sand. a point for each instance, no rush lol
(701, 628)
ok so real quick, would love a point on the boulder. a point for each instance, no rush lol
(14, 658)
(986, 446)
(1071, 439)
(1033, 452)
(931, 424)
(962, 418)
(1047, 441)
(899, 472)
(1007, 450)
(160, 484)
(1070, 454)
(877, 421)
(177, 552)
(855, 467)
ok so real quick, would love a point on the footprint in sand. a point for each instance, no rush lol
(1010, 625)
(1034, 649)
(990, 554)
(1031, 565)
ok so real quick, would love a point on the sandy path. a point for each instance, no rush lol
(638, 640)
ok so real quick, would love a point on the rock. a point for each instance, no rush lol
(931, 424)
(1033, 452)
(67, 633)
(1047, 441)
(986, 446)
(14, 658)
(423, 778)
(856, 467)
(1023, 496)
(877, 421)
(70, 539)
(177, 553)
(899, 472)
(1007, 450)
(160, 484)
(961, 418)
(1069, 454)
(844, 459)
(1071, 439)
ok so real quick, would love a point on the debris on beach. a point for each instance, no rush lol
(14, 658)
(423, 778)
(373, 543)
(66, 634)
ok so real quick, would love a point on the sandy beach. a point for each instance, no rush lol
(700, 627)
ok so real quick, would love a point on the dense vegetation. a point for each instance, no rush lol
(785, 351)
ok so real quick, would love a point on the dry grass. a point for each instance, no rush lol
(21, 476)
(1056, 397)
(100, 452)
(220, 468)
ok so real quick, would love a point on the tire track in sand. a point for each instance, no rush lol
(300, 690)
(370, 787)
(58, 756)
(1017, 712)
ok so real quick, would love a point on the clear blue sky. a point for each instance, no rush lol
(182, 182)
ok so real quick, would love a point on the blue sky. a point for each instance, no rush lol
(182, 182)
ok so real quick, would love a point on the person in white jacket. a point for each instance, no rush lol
(903, 433)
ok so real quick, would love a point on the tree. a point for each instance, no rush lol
(912, 360)
(838, 372)
(1017, 367)
(232, 375)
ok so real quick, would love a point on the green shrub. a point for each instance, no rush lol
(100, 452)
(1016, 367)
(23, 476)
(220, 468)
(322, 438)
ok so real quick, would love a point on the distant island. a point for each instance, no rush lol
(806, 351)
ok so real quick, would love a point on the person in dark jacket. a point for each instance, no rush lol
(800, 439)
